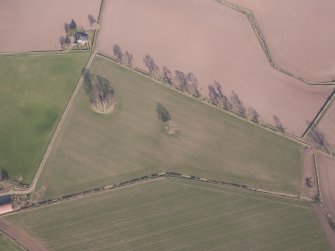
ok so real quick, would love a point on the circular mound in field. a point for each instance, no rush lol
(171, 127)
(103, 108)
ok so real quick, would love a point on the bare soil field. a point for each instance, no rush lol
(215, 43)
(327, 127)
(299, 34)
(326, 167)
(324, 224)
(38, 25)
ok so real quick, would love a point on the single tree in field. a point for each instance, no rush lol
(162, 113)
(153, 69)
(167, 75)
(117, 53)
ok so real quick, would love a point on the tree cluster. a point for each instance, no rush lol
(318, 137)
(3, 175)
(162, 114)
(188, 83)
(232, 103)
(71, 29)
(125, 58)
(152, 67)
(100, 91)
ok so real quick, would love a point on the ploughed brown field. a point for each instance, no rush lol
(38, 25)
(215, 43)
(327, 177)
(327, 127)
(299, 34)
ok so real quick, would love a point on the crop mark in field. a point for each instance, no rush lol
(261, 39)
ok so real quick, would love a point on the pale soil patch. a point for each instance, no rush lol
(326, 168)
(102, 109)
(299, 34)
(171, 127)
(215, 43)
(38, 25)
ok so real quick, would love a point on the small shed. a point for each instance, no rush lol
(5, 204)
(82, 38)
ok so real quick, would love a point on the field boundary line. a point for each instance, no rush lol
(262, 41)
(48, 52)
(317, 177)
(152, 178)
(323, 110)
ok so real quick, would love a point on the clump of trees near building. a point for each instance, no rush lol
(101, 93)
(3, 175)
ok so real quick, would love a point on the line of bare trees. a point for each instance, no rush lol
(188, 83)
(124, 58)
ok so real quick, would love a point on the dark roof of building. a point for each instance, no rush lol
(81, 35)
(5, 199)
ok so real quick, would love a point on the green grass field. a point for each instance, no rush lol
(95, 150)
(33, 93)
(173, 214)
(7, 244)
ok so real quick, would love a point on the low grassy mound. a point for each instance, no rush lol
(153, 129)
(34, 91)
(173, 214)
